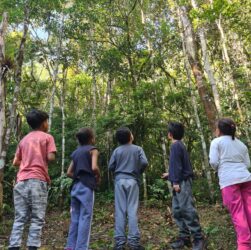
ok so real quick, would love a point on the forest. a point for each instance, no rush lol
(136, 63)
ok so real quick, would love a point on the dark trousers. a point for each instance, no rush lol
(184, 212)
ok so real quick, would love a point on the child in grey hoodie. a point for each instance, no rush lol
(127, 162)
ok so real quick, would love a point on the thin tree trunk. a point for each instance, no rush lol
(3, 28)
(193, 58)
(165, 161)
(207, 65)
(62, 101)
(94, 79)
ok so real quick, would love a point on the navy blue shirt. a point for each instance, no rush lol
(82, 166)
(128, 162)
(180, 167)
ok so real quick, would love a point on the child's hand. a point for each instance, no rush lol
(165, 176)
(176, 188)
(98, 179)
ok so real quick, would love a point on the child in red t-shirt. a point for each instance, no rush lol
(33, 153)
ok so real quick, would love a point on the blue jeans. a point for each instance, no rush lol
(126, 205)
(82, 201)
(30, 200)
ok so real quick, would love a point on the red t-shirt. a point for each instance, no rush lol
(32, 152)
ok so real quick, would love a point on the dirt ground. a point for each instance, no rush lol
(156, 225)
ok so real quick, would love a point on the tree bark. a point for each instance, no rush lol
(193, 58)
(207, 65)
(3, 28)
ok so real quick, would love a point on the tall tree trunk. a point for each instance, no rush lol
(17, 79)
(165, 161)
(3, 28)
(94, 79)
(193, 58)
(62, 101)
(207, 65)
(205, 162)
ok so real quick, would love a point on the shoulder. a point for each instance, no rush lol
(216, 141)
(241, 144)
(178, 145)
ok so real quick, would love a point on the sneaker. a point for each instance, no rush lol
(32, 248)
(139, 247)
(199, 244)
(180, 243)
(14, 248)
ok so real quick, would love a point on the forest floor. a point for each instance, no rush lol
(156, 225)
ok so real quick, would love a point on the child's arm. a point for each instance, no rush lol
(143, 160)
(70, 170)
(214, 157)
(51, 156)
(51, 149)
(95, 168)
(18, 157)
(112, 162)
(247, 159)
(16, 162)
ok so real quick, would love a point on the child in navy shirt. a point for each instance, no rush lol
(86, 175)
(180, 175)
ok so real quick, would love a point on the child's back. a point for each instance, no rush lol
(128, 161)
(82, 161)
(33, 149)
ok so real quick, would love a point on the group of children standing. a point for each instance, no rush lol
(228, 156)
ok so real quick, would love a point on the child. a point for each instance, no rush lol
(229, 157)
(127, 162)
(85, 172)
(33, 153)
(180, 175)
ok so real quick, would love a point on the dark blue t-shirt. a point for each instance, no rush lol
(82, 166)
(180, 167)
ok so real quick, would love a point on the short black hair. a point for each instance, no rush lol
(36, 117)
(176, 129)
(123, 135)
(84, 136)
(227, 126)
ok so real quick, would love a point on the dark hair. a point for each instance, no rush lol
(176, 129)
(123, 135)
(84, 136)
(227, 127)
(36, 117)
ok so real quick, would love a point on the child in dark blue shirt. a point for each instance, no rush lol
(86, 175)
(180, 175)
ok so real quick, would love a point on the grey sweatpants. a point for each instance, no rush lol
(30, 201)
(126, 206)
(185, 213)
